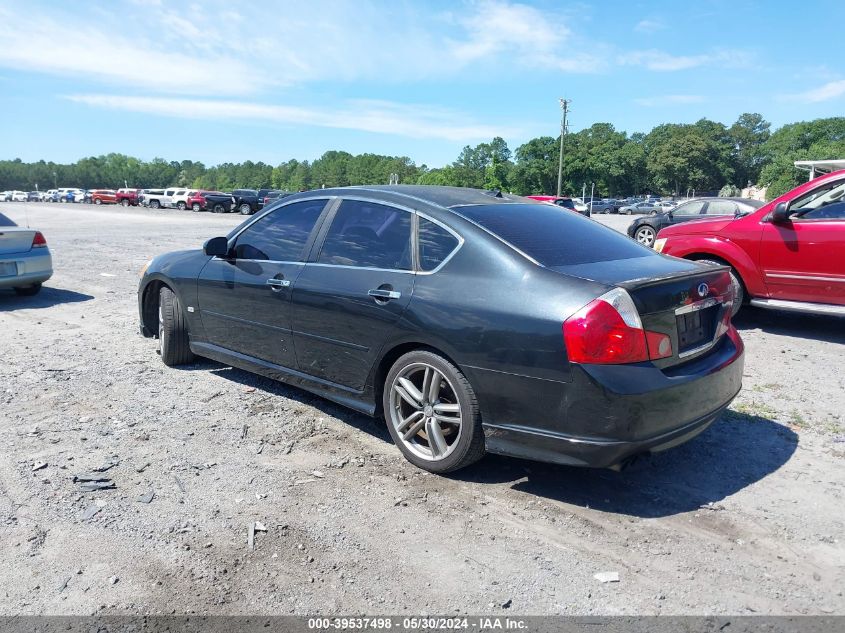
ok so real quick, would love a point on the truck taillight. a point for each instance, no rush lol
(608, 331)
(38, 240)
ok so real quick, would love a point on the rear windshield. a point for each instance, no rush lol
(4, 221)
(553, 236)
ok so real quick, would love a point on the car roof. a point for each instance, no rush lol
(750, 202)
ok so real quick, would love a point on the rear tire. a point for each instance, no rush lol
(125, 202)
(180, 205)
(736, 281)
(218, 208)
(173, 337)
(98, 201)
(155, 204)
(461, 419)
(245, 209)
(196, 207)
(28, 291)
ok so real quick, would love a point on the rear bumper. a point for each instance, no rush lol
(608, 413)
(33, 267)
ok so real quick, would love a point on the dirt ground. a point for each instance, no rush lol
(745, 519)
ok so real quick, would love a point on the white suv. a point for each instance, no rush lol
(179, 199)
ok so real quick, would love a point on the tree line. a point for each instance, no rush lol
(670, 159)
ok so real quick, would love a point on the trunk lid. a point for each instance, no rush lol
(688, 301)
(15, 239)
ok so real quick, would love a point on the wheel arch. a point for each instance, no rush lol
(390, 355)
(733, 256)
(149, 303)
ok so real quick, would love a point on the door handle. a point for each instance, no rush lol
(278, 283)
(384, 294)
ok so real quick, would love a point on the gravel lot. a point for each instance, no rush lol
(747, 518)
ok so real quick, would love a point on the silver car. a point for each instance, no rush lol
(25, 260)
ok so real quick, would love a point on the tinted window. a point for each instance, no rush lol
(368, 234)
(689, 208)
(720, 207)
(4, 221)
(280, 235)
(436, 243)
(832, 211)
(552, 236)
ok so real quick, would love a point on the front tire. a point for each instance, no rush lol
(432, 413)
(125, 202)
(218, 208)
(155, 204)
(180, 205)
(172, 330)
(98, 201)
(196, 207)
(28, 291)
(245, 209)
(645, 235)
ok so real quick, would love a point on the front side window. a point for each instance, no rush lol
(435, 243)
(281, 235)
(368, 234)
(689, 208)
(824, 203)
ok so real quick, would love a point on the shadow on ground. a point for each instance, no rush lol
(47, 298)
(810, 326)
(737, 451)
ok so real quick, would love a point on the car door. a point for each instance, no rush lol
(353, 290)
(244, 299)
(803, 258)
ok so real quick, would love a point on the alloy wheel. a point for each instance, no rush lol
(425, 412)
(645, 235)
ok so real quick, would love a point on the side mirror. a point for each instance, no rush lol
(780, 214)
(216, 247)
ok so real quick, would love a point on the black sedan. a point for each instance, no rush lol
(645, 229)
(471, 321)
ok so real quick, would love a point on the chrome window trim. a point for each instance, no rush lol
(265, 212)
(446, 259)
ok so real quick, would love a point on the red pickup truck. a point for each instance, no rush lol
(127, 197)
(789, 254)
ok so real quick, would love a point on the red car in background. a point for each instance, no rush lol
(788, 255)
(127, 197)
(103, 196)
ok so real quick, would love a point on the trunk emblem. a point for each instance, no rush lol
(703, 290)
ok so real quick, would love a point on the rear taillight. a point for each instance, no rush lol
(266, 199)
(38, 240)
(608, 331)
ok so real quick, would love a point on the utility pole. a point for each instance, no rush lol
(564, 106)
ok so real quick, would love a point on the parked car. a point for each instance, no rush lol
(566, 203)
(127, 197)
(18, 196)
(392, 299)
(33, 196)
(25, 260)
(645, 229)
(180, 198)
(152, 198)
(274, 195)
(665, 205)
(214, 201)
(603, 206)
(49, 195)
(638, 207)
(788, 254)
(103, 196)
(247, 201)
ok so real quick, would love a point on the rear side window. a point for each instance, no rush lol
(281, 235)
(4, 221)
(721, 207)
(689, 208)
(554, 236)
(370, 235)
(436, 244)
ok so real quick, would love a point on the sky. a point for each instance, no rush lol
(221, 81)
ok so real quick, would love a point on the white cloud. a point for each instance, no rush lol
(830, 90)
(649, 26)
(381, 117)
(650, 102)
(662, 61)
